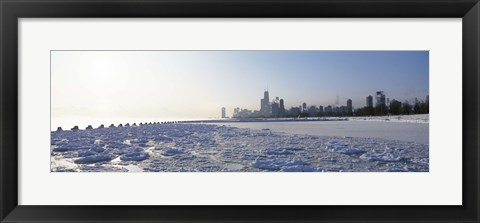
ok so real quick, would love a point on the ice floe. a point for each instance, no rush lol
(180, 147)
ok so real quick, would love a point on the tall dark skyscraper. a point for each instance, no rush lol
(349, 106)
(282, 107)
(380, 98)
(370, 101)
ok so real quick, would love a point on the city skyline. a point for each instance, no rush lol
(195, 84)
(276, 107)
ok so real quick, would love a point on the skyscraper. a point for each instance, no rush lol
(223, 112)
(380, 98)
(282, 107)
(304, 107)
(275, 109)
(265, 109)
(349, 106)
(261, 105)
(370, 101)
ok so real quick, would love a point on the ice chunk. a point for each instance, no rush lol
(162, 138)
(345, 150)
(66, 148)
(282, 151)
(343, 147)
(275, 151)
(295, 162)
(135, 156)
(94, 159)
(233, 167)
(265, 164)
(385, 156)
(172, 152)
(85, 153)
(97, 148)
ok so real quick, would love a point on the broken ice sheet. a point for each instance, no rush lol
(213, 148)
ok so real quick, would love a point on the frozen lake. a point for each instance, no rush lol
(409, 132)
(287, 146)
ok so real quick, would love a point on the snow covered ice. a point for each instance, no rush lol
(181, 147)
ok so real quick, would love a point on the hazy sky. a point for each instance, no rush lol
(196, 84)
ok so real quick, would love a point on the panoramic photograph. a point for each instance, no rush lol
(239, 111)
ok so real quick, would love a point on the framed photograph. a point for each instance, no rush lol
(346, 134)
(227, 111)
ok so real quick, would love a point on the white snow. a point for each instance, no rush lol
(423, 119)
(217, 147)
(389, 130)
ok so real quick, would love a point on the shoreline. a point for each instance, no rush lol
(420, 119)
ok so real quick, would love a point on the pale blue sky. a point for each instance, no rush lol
(196, 84)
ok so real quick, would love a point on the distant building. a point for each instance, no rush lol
(320, 110)
(236, 111)
(282, 108)
(245, 113)
(275, 109)
(312, 111)
(328, 109)
(265, 108)
(261, 104)
(224, 113)
(369, 101)
(349, 106)
(304, 107)
(295, 111)
(380, 98)
(337, 110)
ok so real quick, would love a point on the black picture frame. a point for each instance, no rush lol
(12, 10)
